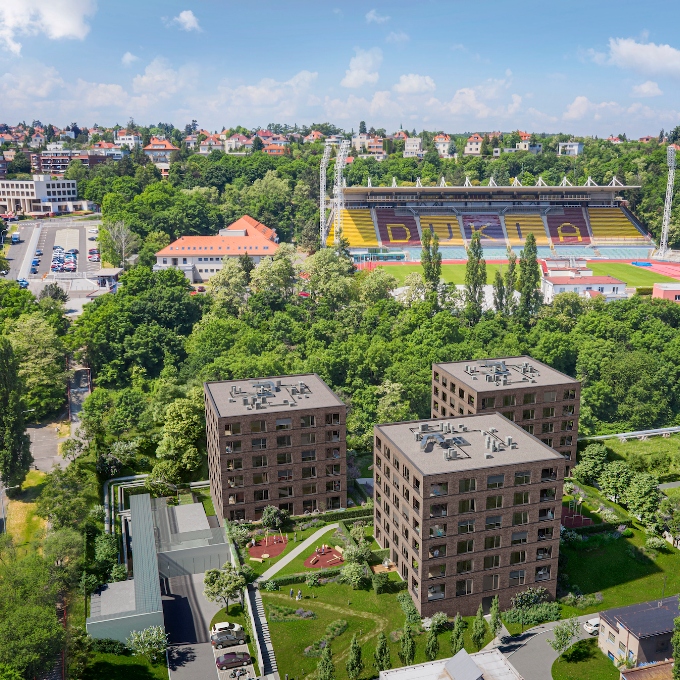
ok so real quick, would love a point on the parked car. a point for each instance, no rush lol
(73, 251)
(92, 251)
(23, 283)
(224, 626)
(34, 270)
(38, 253)
(4, 272)
(93, 231)
(232, 659)
(58, 248)
(36, 262)
(228, 638)
(200, 289)
(592, 626)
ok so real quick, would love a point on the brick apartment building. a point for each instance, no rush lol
(469, 507)
(275, 441)
(538, 398)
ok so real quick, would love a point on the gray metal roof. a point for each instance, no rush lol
(145, 562)
(645, 619)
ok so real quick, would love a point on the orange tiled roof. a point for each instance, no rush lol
(160, 144)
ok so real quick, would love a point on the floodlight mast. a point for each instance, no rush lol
(323, 225)
(663, 246)
(338, 192)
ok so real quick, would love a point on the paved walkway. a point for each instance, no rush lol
(532, 656)
(287, 559)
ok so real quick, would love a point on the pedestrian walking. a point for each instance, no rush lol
(291, 593)
(299, 597)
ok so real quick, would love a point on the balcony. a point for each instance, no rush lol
(437, 592)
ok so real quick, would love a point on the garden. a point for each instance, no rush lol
(584, 660)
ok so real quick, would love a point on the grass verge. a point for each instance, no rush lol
(118, 667)
(584, 660)
(23, 524)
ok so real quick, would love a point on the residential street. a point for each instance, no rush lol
(532, 656)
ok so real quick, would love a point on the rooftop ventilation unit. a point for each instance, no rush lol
(489, 377)
(493, 430)
(293, 390)
(285, 401)
(245, 401)
(278, 385)
(232, 400)
(450, 454)
(423, 427)
(293, 403)
(508, 440)
(488, 455)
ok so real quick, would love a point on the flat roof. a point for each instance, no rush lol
(447, 445)
(279, 394)
(668, 286)
(645, 619)
(504, 372)
(117, 598)
(452, 191)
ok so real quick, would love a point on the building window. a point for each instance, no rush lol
(234, 463)
(550, 396)
(440, 489)
(568, 410)
(566, 441)
(465, 547)
(549, 412)
(509, 400)
(546, 514)
(435, 391)
(288, 507)
(548, 494)
(491, 542)
(235, 482)
(519, 518)
(308, 456)
(332, 470)
(544, 553)
(307, 438)
(521, 498)
(285, 491)
(236, 499)
(258, 426)
(333, 436)
(463, 566)
(284, 440)
(284, 458)
(464, 587)
(436, 571)
(495, 481)
(308, 489)
(465, 485)
(284, 423)
(261, 495)
(309, 506)
(522, 478)
(493, 502)
(569, 394)
(437, 551)
(260, 443)
(466, 527)
(528, 428)
(259, 461)
(510, 415)
(436, 376)
(491, 582)
(285, 475)
(333, 485)
(234, 447)
(261, 478)
(517, 578)
(471, 400)
(461, 393)
(466, 505)
(543, 573)
(308, 421)
(493, 522)
(548, 474)
(437, 592)
(529, 398)
(335, 453)
(332, 419)
(231, 429)
(309, 472)
(436, 531)
(528, 414)
(489, 402)
(435, 510)
(545, 534)
(547, 428)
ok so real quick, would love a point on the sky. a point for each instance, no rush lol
(585, 68)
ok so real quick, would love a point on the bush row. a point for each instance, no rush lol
(290, 579)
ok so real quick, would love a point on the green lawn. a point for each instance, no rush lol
(631, 275)
(621, 578)
(204, 496)
(366, 613)
(666, 466)
(451, 273)
(363, 463)
(236, 614)
(23, 524)
(584, 661)
(117, 667)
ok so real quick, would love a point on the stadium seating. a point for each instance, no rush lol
(396, 230)
(612, 224)
(568, 227)
(358, 229)
(520, 225)
(489, 227)
(445, 226)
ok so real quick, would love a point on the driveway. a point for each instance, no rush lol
(530, 653)
(45, 446)
(187, 616)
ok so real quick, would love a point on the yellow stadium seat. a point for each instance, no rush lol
(331, 235)
(528, 224)
(612, 224)
(358, 229)
(445, 226)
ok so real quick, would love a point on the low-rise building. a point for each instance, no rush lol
(42, 194)
(275, 441)
(570, 148)
(413, 147)
(640, 633)
(584, 286)
(666, 291)
(211, 143)
(236, 141)
(648, 138)
(473, 146)
(662, 670)
(313, 136)
(201, 257)
(469, 508)
(159, 150)
(520, 146)
(130, 138)
(442, 143)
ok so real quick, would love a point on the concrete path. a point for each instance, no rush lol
(287, 559)
(530, 653)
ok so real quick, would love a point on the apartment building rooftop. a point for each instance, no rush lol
(277, 394)
(645, 619)
(488, 375)
(481, 441)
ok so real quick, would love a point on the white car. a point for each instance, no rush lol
(93, 231)
(225, 625)
(592, 626)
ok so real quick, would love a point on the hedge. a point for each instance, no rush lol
(290, 579)
(644, 290)
(599, 528)
(334, 516)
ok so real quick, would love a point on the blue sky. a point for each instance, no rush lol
(596, 67)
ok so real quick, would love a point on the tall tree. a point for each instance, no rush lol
(362, 127)
(499, 302)
(432, 645)
(563, 634)
(510, 283)
(495, 624)
(407, 646)
(479, 628)
(325, 669)
(475, 279)
(355, 663)
(247, 265)
(15, 454)
(381, 657)
(118, 242)
(457, 639)
(431, 260)
(529, 281)
(222, 585)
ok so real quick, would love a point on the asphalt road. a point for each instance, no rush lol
(16, 253)
(530, 653)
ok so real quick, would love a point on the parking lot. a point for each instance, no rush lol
(79, 238)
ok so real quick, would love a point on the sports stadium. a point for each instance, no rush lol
(590, 221)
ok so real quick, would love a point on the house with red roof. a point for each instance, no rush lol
(236, 141)
(473, 147)
(584, 284)
(159, 150)
(524, 136)
(648, 138)
(614, 140)
(37, 139)
(201, 257)
(274, 149)
(402, 134)
(442, 143)
(210, 143)
(313, 136)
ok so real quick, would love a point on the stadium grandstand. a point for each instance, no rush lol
(580, 221)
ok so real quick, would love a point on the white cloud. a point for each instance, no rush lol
(128, 59)
(373, 17)
(646, 58)
(187, 21)
(413, 83)
(55, 18)
(647, 89)
(381, 105)
(582, 107)
(363, 68)
(160, 80)
(99, 95)
(397, 37)
(464, 101)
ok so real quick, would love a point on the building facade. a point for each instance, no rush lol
(570, 148)
(275, 441)
(608, 287)
(541, 400)
(473, 146)
(469, 508)
(42, 194)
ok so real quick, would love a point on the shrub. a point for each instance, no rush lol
(109, 646)
(409, 609)
(353, 574)
(313, 580)
(569, 488)
(529, 598)
(290, 579)
(532, 616)
(569, 537)
(581, 601)
(357, 531)
(333, 630)
(279, 613)
(656, 543)
(108, 465)
(359, 553)
(608, 515)
(380, 582)
(627, 533)
(440, 621)
(269, 586)
(119, 573)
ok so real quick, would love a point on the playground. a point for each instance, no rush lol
(325, 556)
(272, 545)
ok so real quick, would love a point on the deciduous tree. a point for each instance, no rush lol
(475, 279)
(479, 628)
(354, 663)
